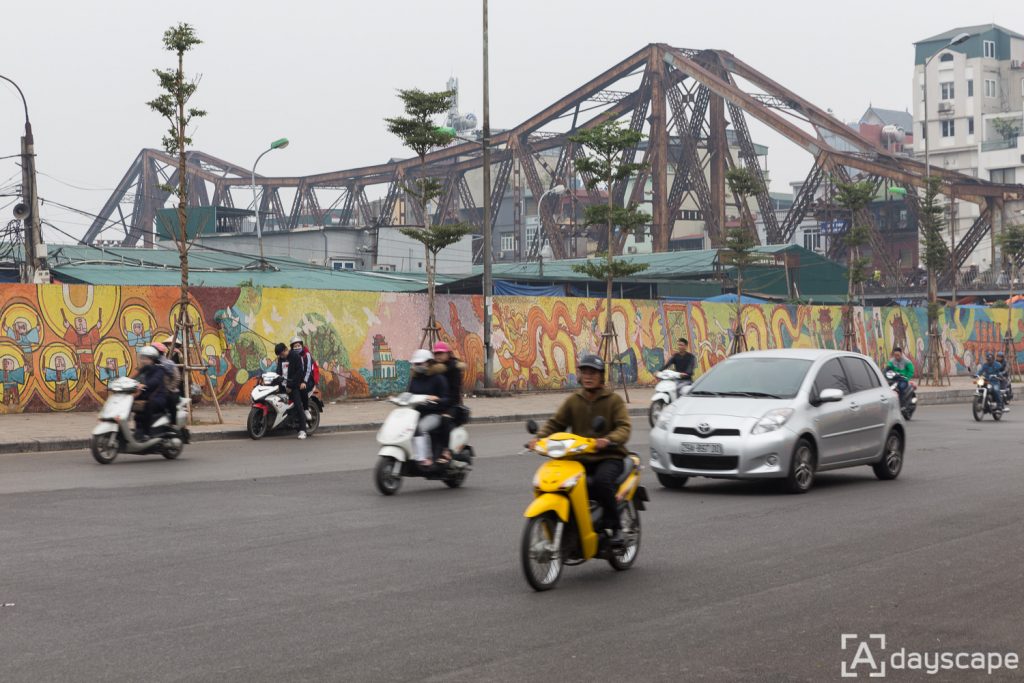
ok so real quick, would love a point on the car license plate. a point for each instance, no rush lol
(703, 448)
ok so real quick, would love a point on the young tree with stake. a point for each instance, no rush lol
(739, 246)
(1011, 241)
(934, 257)
(418, 132)
(854, 198)
(606, 146)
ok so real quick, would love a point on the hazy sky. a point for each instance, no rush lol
(324, 73)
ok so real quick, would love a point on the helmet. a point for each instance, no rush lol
(420, 356)
(159, 347)
(170, 340)
(441, 347)
(296, 340)
(989, 356)
(149, 352)
(591, 360)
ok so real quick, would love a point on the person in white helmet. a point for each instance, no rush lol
(298, 382)
(153, 390)
(436, 387)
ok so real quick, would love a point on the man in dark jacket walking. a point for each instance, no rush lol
(576, 414)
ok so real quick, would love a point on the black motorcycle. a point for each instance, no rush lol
(908, 400)
(984, 401)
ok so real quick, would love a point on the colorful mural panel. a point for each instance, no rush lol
(60, 345)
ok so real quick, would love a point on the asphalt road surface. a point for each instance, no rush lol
(278, 561)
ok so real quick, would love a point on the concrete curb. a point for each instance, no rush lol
(943, 397)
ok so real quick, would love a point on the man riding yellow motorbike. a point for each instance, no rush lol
(577, 415)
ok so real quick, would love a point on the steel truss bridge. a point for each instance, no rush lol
(683, 100)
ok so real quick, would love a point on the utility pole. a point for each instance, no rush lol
(487, 284)
(34, 263)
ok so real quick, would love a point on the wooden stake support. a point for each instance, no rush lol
(184, 330)
(609, 351)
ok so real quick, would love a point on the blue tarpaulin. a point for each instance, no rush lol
(731, 299)
(506, 288)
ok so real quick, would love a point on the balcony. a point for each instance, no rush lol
(993, 145)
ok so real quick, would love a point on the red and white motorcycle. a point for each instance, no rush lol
(271, 408)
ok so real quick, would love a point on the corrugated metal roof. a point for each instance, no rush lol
(123, 266)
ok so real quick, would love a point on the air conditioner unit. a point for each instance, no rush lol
(630, 250)
(945, 106)
(384, 267)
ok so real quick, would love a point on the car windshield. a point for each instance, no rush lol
(753, 378)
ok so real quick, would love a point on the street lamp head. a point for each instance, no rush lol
(279, 144)
(558, 189)
(958, 39)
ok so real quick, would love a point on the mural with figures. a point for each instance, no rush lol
(61, 344)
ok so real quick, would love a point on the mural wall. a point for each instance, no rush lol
(61, 344)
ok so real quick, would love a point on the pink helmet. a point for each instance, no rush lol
(441, 347)
(159, 347)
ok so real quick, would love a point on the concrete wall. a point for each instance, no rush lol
(47, 364)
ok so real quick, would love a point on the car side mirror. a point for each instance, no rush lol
(830, 396)
(531, 426)
(598, 424)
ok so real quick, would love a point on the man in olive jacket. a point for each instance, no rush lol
(576, 414)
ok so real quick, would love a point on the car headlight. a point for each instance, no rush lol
(772, 420)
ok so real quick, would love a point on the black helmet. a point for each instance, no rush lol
(592, 361)
(989, 356)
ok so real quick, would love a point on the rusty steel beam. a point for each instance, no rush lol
(802, 203)
(526, 160)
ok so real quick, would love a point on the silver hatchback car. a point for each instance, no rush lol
(783, 414)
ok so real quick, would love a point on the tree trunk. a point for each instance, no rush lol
(611, 259)
(182, 190)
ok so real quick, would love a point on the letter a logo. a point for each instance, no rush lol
(863, 656)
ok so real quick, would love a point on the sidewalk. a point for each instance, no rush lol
(27, 432)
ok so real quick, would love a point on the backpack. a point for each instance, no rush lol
(316, 371)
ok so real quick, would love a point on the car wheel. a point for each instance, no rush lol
(891, 464)
(801, 468)
(670, 481)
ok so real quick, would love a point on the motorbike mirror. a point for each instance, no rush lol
(531, 426)
(598, 424)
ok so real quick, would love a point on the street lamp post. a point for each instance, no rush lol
(33, 229)
(487, 284)
(276, 144)
(955, 40)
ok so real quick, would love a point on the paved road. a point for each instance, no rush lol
(257, 562)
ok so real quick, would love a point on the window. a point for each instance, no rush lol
(776, 376)
(990, 88)
(970, 125)
(508, 241)
(946, 57)
(989, 47)
(691, 215)
(948, 128)
(342, 265)
(831, 376)
(859, 374)
(812, 240)
(970, 87)
(1003, 175)
(947, 90)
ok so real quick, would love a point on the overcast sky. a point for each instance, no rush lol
(323, 73)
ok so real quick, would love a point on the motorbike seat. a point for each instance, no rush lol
(628, 467)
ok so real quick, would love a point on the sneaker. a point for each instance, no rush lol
(309, 415)
(615, 539)
(302, 435)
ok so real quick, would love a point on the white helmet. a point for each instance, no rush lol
(420, 356)
(296, 340)
(149, 352)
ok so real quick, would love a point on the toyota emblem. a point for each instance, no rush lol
(704, 428)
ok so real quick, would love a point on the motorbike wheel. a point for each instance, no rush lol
(997, 414)
(385, 478)
(314, 421)
(623, 558)
(654, 411)
(104, 447)
(541, 566)
(978, 409)
(257, 424)
(172, 451)
(456, 480)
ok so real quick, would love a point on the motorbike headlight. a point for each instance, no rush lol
(772, 420)
(981, 382)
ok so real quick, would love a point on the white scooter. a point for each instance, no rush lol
(114, 433)
(667, 390)
(271, 408)
(405, 441)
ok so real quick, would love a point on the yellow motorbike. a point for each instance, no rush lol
(561, 522)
